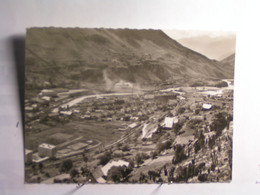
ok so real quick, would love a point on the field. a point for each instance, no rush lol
(105, 132)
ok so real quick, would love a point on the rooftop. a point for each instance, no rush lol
(109, 165)
(206, 106)
(168, 122)
(44, 145)
(28, 151)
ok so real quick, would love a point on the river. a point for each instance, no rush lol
(82, 98)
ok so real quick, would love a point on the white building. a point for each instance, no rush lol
(168, 122)
(175, 120)
(66, 113)
(109, 165)
(48, 92)
(46, 150)
(206, 106)
(46, 98)
(196, 118)
(133, 125)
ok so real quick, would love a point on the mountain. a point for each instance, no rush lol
(228, 63)
(230, 60)
(214, 47)
(75, 57)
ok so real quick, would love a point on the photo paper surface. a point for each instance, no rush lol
(128, 106)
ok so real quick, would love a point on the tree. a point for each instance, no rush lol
(66, 165)
(154, 154)
(125, 148)
(47, 174)
(179, 154)
(73, 173)
(203, 177)
(200, 143)
(177, 127)
(181, 110)
(181, 174)
(85, 158)
(140, 157)
(222, 84)
(219, 123)
(163, 146)
(40, 166)
(131, 163)
(119, 144)
(116, 174)
(104, 159)
(153, 174)
(38, 179)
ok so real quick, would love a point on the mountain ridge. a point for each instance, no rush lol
(81, 56)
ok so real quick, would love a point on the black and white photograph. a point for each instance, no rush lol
(128, 105)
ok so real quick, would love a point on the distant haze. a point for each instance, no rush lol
(214, 45)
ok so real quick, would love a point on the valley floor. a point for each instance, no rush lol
(170, 135)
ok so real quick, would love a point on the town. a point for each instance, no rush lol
(165, 135)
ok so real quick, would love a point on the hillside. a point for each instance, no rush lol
(214, 47)
(228, 63)
(230, 59)
(74, 57)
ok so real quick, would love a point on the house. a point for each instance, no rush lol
(28, 108)
(181, 97)
(86, 116)
(53, 114)
(46, 98)
(133, 125)
(46, 150)
(148, 130)
(28, 156)
(197, 118)
(175, 120)
(48, 92)
(168, 122)
(66, 113)
(134, 118)
(101, 180)
(34, 106)
(109, 165)
(76, 111)
(206, 106)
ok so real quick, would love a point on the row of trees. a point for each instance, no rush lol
(221, 120)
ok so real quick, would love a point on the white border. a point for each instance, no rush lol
(227, 15)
